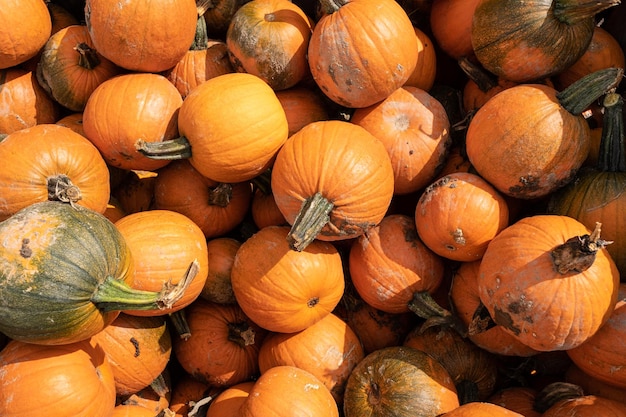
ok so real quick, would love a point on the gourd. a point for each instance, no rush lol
(26, 26)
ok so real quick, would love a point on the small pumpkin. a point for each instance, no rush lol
(70, 379)
(425, 71)
(26, 26)
(302, 105)
(66, 273)
(51, 162)
(188, 393)
(135, 190)
(228, 402)
(283, 290)
(263, 209)
(218, 287)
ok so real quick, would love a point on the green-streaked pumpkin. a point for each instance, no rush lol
(65, 273)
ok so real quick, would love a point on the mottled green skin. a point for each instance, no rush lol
(53, 257)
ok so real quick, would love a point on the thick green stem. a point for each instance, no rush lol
(612, 156)
(263, 182)
(331, 6)
(179, 323)
(172, 149)
(572, 12)
(483, 79)
(201, 40)
(578, 96)
(425, 307)
(313, 216)
(116, 295)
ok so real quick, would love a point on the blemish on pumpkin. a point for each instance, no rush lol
(458, 237)
(313, 302)
(136, 346)
(25, 251)
(504, 319)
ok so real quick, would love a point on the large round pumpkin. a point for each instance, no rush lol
(25, 27)
(548, 281)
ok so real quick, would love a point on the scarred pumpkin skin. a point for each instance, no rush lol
(523, 291)
(25, 26)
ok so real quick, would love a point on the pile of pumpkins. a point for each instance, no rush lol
(255, 208)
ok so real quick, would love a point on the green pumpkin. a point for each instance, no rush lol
(65, 273)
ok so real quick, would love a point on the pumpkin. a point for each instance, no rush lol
(127, 108)
(302, 105)
(474, 409)
(425, 71)
(138, 349)
(481, 85)
(135, 191)
(279, 26)
(229, 401)
(389, 263)
(154, 397)
(283, 290)
(399, 381)
(189, 393)
(70, 68)
(217, 287)
(70, 379)
(337, 47)
(141, 35)
(586, 406)
(473, 370)
(51, 162)
(557, 287)
(26, 103)
(223, 346)
(481, 213)
(545, 128)
(415, 129)
(215, 207)
(66, 273)
(263, 208)
(516, 398)
(329, 349)
(218, 14)
(131, 410)
(527, 41)
(207, 58)
(301, 394)
(593, 386)
(235, 138)
(597, 195)
(332, 180)
(451, 25)
(73, 121)
(602, 356)
(61, 17)
(26, 26)
(163, 244)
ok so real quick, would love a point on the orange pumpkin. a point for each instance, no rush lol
(557, 287)
(51, 162)
(71, 379)
(141, 35)
(163, 244)
(135, 191)
(586, 406)
(302, 106)
(70, 68)
(131, 410)
(228, 402)
(425, 72)
(26, 26)
(217, 287)
(592, 385)
(451, 25)
(61, 17)
(279, 26)
(312, 290)
(127, 108)
(518, 399)
(218, 14)
(319, 189)
(223, 347)
(475, 409)
(415, 129)
(187, 392)
(338, 45)
(301, 394)
(389, 263)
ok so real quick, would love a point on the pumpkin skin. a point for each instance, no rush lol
(451, 25)
(229, 401)
(283, 290)
(186, 392)
(550, 143)
(518, 399)
(235, 138)
(27, 104)
(51, 162)
(163, 244)
(343, 162)
(26, 26)
(302, 106)
(525, 41)
(135, 192)
(481, 213)
(87, 388)
(141, 35)
(62, 253)
(138, 349)
(587, 406)
(217, 287)
(474, 409)
(425, 71)
(541, 307)
(218, 15)
(70, 68)
(223, 347)
(389, 263)
(300, 393)
(61, 17)
(129, 107)
(399, 381)
(329, 349)
(279, 26)
(336, 51)
(415, 129)
(593, 386)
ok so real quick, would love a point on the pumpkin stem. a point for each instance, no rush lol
(87, 56)
(331, 6)
(203, 5)
(198, 408)
(425, 306)
(467, 391)
(221, 195)
(171, 149)
(612, 156)
(263, 182)
(179, 322)
(201, 40)
(578, 96)
(159, 386)
(571, 13)
(484, 80)
(555, 392)
(313, 216)
(61, 188)
(579, 252)
(116, 295)
(241, 333)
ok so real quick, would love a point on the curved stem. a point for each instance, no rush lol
(313, 216)
(612, 156)
(87, 57)
(578, 253)
(578, 96)
(570, 12)
(172, 149)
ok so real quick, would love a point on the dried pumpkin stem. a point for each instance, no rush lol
(578, 96)
(578, 253)
(570, 12)
(425, 307)
(171, 149)
(61, 188)
(313, 216)
(159, 386)
(179, 322)
(612, 155)
(484, 80)
(241, 333)
(116, 295)
(555, 392)
(88, 58)
(221, 195)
